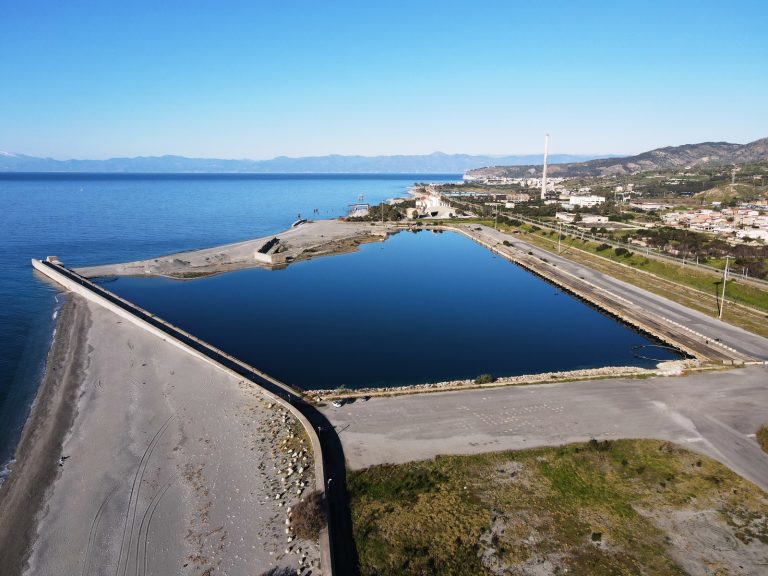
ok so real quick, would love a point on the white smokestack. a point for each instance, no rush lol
(544, 176)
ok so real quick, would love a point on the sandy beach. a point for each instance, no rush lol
(23, 493)
(171, 465)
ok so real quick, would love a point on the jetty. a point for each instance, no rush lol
(329, 471)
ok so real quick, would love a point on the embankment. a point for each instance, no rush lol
(706, 349)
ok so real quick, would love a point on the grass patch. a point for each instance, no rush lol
(588, 508)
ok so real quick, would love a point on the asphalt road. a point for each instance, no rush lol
(714, 413)
(737, 338)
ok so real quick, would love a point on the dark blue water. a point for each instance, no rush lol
(417, 308)
(90, 219)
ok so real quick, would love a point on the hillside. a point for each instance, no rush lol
(669, 158)
(435, 163)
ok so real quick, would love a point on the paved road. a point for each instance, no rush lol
(714, 413)
(737, 338)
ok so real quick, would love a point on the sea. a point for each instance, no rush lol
(98, 218)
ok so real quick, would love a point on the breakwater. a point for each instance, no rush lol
(270, 387)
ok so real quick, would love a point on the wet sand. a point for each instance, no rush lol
(23, 493)
(174, 466)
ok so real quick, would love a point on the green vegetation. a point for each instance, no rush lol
(485, 379)
(762, 437)
(392, 212)
(709, 249)
(597, 508)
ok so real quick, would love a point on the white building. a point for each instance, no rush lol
(586, 201)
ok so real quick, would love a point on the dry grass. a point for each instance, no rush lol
(579, 509)
(309, 517)
(762, 437)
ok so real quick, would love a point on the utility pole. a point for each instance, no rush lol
(559, 234)
(725, 279)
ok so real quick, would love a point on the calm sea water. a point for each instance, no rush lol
(90, 219)
(420, 307)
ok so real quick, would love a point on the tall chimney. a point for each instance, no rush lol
(544, 176)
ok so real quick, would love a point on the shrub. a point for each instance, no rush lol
(599, 446)
(484, 379)
(507, 243)
(762, 437)
(602, 247)
(309, 516)
(620, 251)
(277, 571)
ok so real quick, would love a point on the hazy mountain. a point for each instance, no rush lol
(669, 158)
(435, 163)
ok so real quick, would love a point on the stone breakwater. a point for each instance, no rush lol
(663, 369)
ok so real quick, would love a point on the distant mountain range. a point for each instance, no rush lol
(669, 158)
(435, 163)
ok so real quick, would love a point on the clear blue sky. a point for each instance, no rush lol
(258, 79)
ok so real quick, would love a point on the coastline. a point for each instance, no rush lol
(34, 470)
(154, 480)
(309, 240)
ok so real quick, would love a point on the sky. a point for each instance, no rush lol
(263, 78)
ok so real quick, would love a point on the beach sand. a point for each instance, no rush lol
(173, 466)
